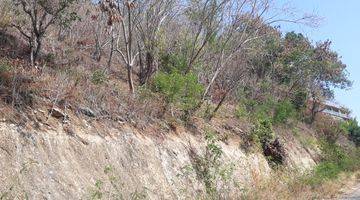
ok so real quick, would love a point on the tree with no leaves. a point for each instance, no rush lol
(122, 20)
(36, 16)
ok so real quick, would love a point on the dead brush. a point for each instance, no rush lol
(288, 184)
(18, 83)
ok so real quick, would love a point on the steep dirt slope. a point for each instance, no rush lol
(57, 162)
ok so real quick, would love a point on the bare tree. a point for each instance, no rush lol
(40, 15)
(153, 16)
(244, 24)
(121, 15)
(204, 18)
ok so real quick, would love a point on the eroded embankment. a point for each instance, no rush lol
(58, 163)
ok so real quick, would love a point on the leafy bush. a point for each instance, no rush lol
(241, 111)
(99, 77)
(269, 109)
(4, 66)
(182, 91)
(354, 131)
(335, 160)
(264, 136)
(50, 57)
(256, 110)
(173, 62)
(283, 111)
(263, 132)
(299, 100)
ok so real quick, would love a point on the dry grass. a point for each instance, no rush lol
(287, 185)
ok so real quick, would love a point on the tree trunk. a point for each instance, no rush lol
(111, 49)
(130, 79)
(38, 47)
(33, 50)
(218, 106)
(142, 72)
(149, 65)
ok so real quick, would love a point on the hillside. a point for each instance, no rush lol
(76, 160)
(172, 99)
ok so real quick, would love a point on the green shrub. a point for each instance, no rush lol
(299, 100)
(257, 110)
(6, 16)
(173, 62)
(241, 111)
(269, 109)
(182, 91)
(335, 161)
(4, 66)
(263, 132)
(283, 111)
(99, 77)
(354, 131)
(50, 58)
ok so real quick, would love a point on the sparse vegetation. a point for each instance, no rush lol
(99, 77)
(112, 188)
(216, 176)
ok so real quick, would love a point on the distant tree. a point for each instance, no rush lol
(37, 17)
(247, 33)
(328, 72)
(313, 68)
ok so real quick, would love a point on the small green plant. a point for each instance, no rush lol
(298, 100)
(50, 57)
(99, 77)
(283, 111)
(97, 193)
(263, 131)
(256, 109)
(112, 188)
(173, 62)
(5, 66)
(208, 168)
(241, 111)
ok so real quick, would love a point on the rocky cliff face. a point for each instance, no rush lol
(79, 162)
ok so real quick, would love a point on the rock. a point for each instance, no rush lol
(87, 111)
(57, 113)
(275, 150)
